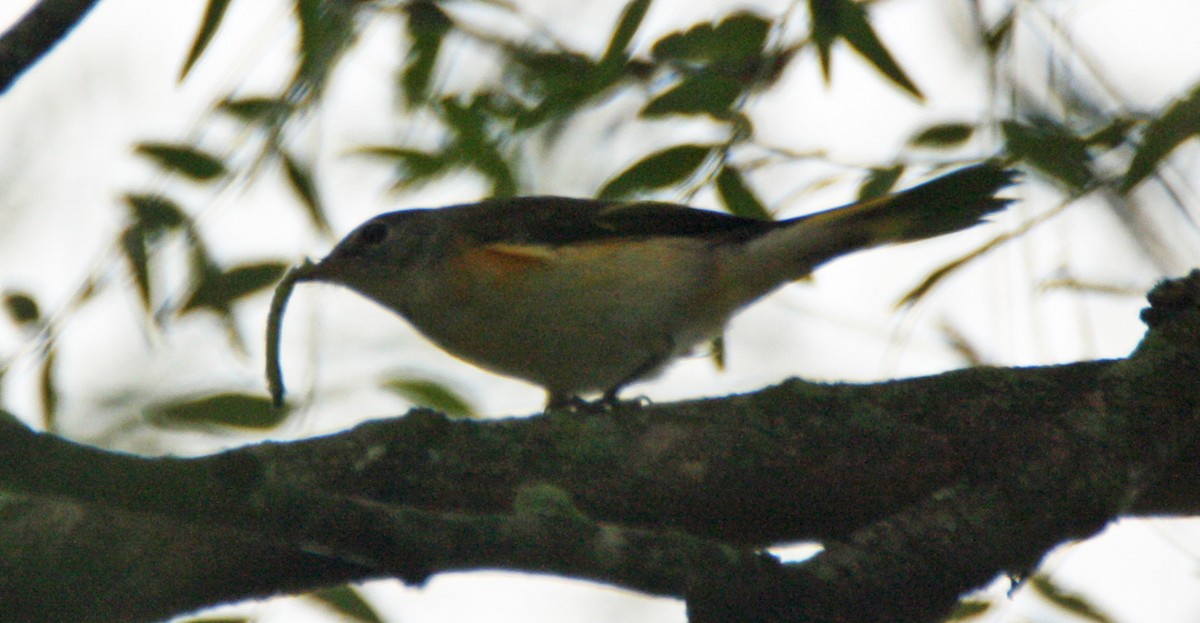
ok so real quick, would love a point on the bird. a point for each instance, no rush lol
(585, 296)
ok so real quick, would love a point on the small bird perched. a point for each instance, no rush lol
(583, 296)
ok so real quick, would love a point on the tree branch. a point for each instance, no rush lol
(919, 489)
(38, 31)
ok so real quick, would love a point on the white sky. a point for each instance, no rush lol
(70, 123)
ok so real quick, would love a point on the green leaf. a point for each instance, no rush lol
(326, 31)
(188, 161)
(346, 601)
(133, 245)
(738, 197)
(968, 609)
(427, 27)
(266, 111)
(733, 40)
(699, 94)
(847, 19)
(943, 135)
(660, 169)
(208, 27)
(1178, 123)
(22, 308)
(474, 144)
(229, 410)
(300, 178)
(880, 181)
(1075, 604)
(434, 395)
(156, 214)
(218, 290)
(48, 389)
(617, 53)
(1052, 149)
(413, 167)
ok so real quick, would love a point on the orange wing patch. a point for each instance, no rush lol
(503, 261)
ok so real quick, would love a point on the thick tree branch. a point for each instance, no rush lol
(920, 489)
(38, 31)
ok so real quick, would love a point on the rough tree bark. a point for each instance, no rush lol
(920, 489)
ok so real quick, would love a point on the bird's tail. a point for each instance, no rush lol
(795, 247)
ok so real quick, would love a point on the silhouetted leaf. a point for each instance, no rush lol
(943, 135)
(326, 31)
(133, 245)
(1178, 123)
(1053, 150)
(734, 39)
(346, 601)
(266, 111)
(231, 410)
(847, 19)
(475, 144)
(48, 389)
(880, 181)
(658, 170)
(617, 53)
(300, 178)
(738, 197)
(968, 609)
(155, 213)
(1075, 604)
(208, 27)
(1000, 35)
(425, 393)
(696, 94)
(413, 167)
(22, 308)
(1113, 134)
(218, 290)
(427, 27)
(188, 161)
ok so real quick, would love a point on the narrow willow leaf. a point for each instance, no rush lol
(413, 167)
(188, 161)
(218, 290)
(22, 308)
(326, 31)
(943, 135)
(48, 389)
(133, 246)
(968, 609)
(660, 169)
(1075, 604)
(208, 27)
(1000, 35)
(734, 39)
(617, 52)
(880, 181)
(847, 19)
(704, 93)
(1053, 150)
(1178, 123)
(431, 394)
(475, 146)
(738, 197)
(265, 111)
(427, 26)
(229, 410)
(346, 601)
(156, 214)
(300, 178)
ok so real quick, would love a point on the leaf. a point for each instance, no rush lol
(734, 39)
(230, 410)
(431, 394)
(189, 161)
(300, 178)
(968, 609)
(413, 167)
(326, 31)
(738, 197)
(133, 245)
(943, 135)
(847, 19)
(1073, 603)
(155, 213)
(266, 111)
(474, 144)
(346, 601)
(48, 389)
(617, 53)
(1052, 149)
(658, 170)
(697, 94)
(427, 27)
(208, 27)
(22, 308)
(880, 181)
(1000, 35)
(218, 290)
(1178, 123)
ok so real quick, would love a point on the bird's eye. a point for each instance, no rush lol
(373, 234)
